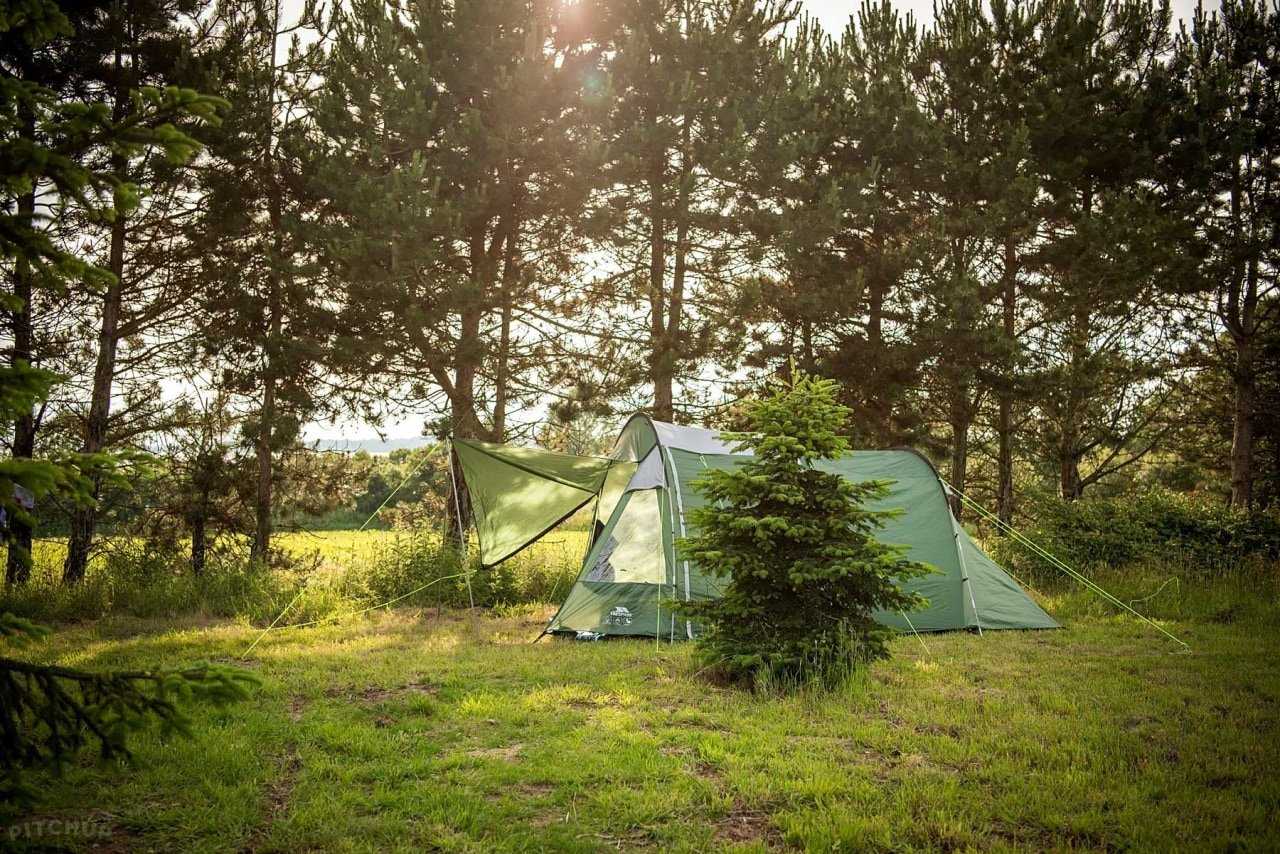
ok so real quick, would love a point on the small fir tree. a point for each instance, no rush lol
(797, 545)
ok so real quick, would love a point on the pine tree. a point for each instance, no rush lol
(47, 713)
(958, 328)
(833, 193)
(689, 85)
(268, 310)
(796, 545)
(1224, 177)
(454, 152)
(60, 158)
(1012, 215)
(1096, 128)
(119, 48)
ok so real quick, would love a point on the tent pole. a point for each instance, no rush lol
(675, 477)
(964, 567)
(462, 534)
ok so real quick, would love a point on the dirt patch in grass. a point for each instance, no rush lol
(948, 730)
(535, 790)
(375, 694)
(510, 753)
(277, 800)
(297, 705)
(706, 770)
(744, 824)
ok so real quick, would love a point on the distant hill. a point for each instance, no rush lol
(371, 444)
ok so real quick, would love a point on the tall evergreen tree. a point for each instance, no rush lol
(268, 309)
(118, 49)
(44, 64)
(454, 152)
(688, 84)
(1096, 128)
(1012, 215)
(1225, 172)
(835, 195)
(958, 278)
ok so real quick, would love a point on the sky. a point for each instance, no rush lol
(833, 15)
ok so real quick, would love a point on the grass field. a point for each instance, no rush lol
(338, 548)
(417, 730)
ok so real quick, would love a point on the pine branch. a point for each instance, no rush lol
(50, 713)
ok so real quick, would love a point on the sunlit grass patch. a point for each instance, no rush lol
(416, 729)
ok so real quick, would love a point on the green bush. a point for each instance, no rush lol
(1190, 535)
(420, 560)
(137, 579)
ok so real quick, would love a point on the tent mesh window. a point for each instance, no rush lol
(632, 550)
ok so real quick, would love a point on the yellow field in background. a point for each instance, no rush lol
(343, 548)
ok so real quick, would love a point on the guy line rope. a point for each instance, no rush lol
(465, 574)
(1057, 563)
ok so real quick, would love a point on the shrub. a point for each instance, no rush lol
(805, 572)
(1192, 535)
(412, 560)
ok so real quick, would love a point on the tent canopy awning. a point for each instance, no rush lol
(518, 494)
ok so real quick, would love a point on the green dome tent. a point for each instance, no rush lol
(642, 492)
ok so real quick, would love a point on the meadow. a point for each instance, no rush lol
(434, 727)
(319, 574)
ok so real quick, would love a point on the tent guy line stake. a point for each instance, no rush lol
(912, 625)
(1057, 563)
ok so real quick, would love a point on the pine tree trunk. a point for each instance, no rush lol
(878, 414)
(1004, 426)
(1069, 483)
(462, 403)
(198, 545)
(263, 441)
(1240, 318)
(84, 519)
(675, 311)
(1244, 377)
(260, 550)
(961, 420)
(466, 420)
(502, 372)
(18, 567)
(1070, 486)
(264, 487)
(659, 363)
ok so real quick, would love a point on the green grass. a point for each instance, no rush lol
(423, 730)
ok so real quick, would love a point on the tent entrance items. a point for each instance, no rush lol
(642, 493)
